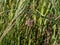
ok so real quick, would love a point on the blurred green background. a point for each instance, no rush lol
(29, 22)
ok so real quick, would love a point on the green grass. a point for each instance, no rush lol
(29, 22)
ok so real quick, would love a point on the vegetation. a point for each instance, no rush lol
(29, 22)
